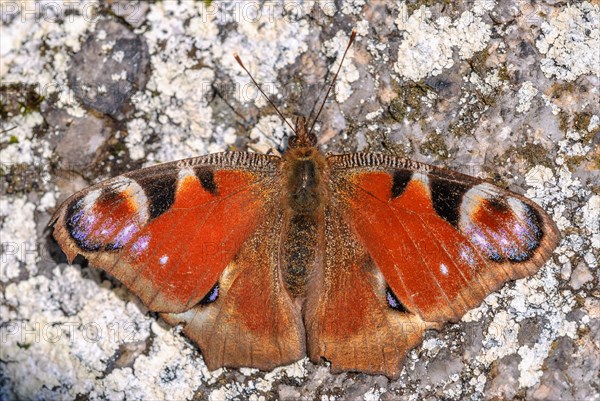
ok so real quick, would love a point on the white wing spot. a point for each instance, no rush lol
(163, 260)
(444, 269)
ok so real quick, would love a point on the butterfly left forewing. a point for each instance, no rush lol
(167, 232)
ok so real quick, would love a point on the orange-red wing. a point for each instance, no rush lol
(443, 241)
(349, 321)
(251, 320)
(168, 232)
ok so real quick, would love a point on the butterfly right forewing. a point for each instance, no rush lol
(442, 240)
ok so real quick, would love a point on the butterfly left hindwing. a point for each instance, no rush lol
(254, 321)
(351, 318)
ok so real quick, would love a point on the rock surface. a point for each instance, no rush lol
(507, 91)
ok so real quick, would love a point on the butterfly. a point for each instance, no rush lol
(266, 259)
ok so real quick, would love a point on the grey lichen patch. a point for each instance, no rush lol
(430, 39)
(569, 40)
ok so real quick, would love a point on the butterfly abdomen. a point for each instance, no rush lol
(299, 252)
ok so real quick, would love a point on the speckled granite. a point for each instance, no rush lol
(507, 91)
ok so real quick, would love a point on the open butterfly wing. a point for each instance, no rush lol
(348, 320)
(252, 321)
(168, 232)
(442, 240)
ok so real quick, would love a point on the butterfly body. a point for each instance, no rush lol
(305, 196)
(265, 259)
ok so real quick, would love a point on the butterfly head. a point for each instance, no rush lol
(302, 138)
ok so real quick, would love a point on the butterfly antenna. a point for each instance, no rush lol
(352, 37)
(239, 60)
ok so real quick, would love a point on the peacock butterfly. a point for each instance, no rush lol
(265, 259)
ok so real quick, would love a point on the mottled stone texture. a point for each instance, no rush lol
(109, 68)
(504, 90)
